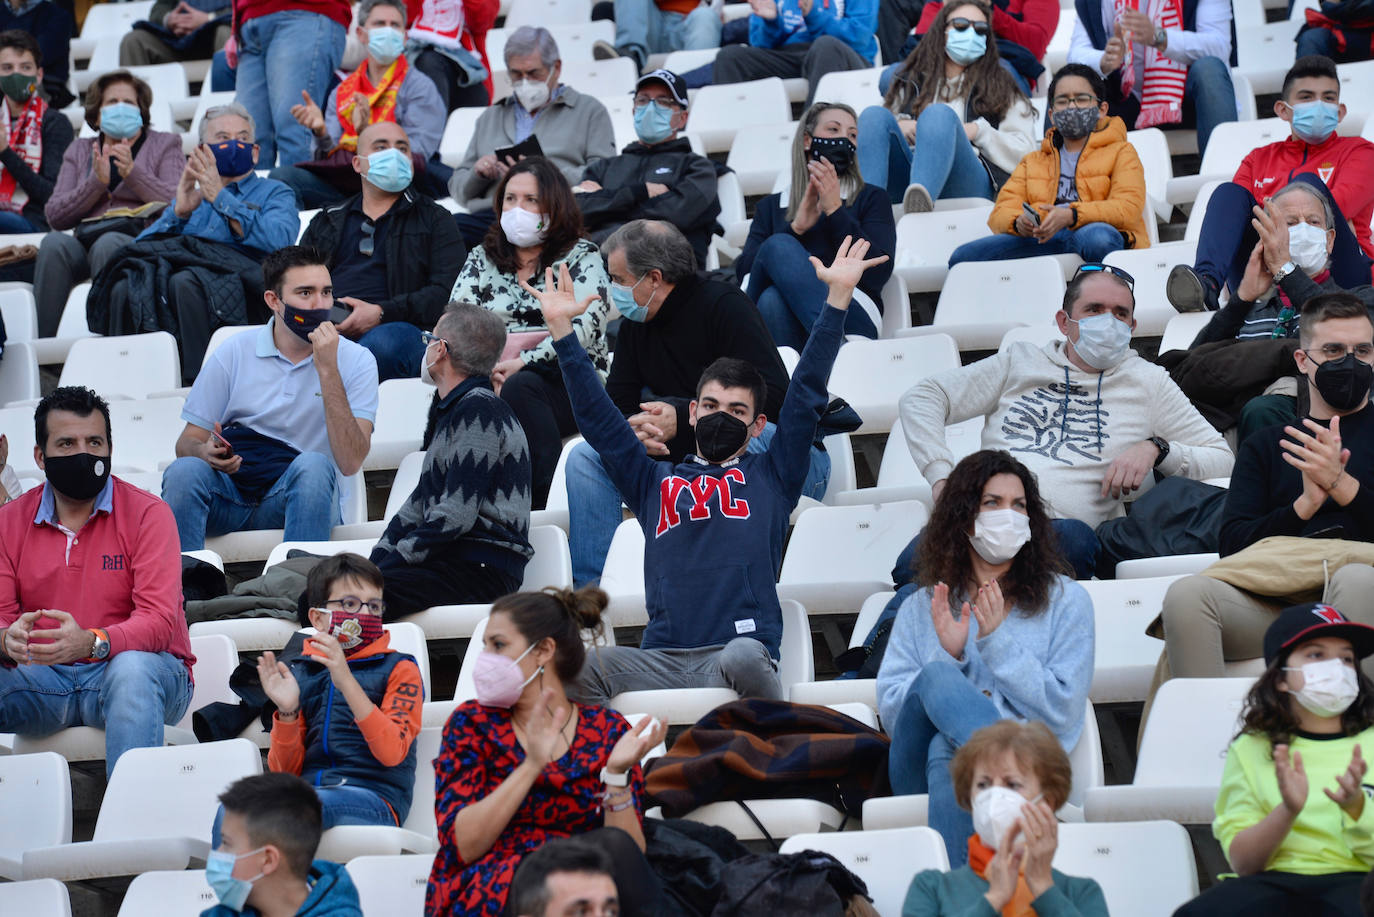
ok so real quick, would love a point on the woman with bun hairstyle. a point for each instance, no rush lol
(523, 763)
(1293, 814)
(954, 122)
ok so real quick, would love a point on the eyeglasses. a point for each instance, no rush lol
(1105, 269)
(960, 24)
(1082, 100)
(367, 244)
(352, 604)
(430, 337)
(661, 104)
(1364, 351)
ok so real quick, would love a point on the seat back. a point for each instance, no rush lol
(216, 658)
(758, 153)
(361, 546)
(551, 564)
(132, 366)
(171, 790)
(1124, 657)
(798, 663)
(36, 897)
(1232, 141)
(1182, 329)
(869, 613)
(574, 39)
(598, 78)
(409, 638)
(391, 884)
(1150, 267)
(19, 313)
(718, 112)
(224, 333)
(19, 379)
(928, 239)
(548, 12)
(1113, 853)
(403, 485)
(35, 804)
(17, 425)
(421, 816)
(850, 543)
(146, 433)
(105, 19)
(1085, 760)
(168, 892)
(1152, 147)
(887, 860)
(873, 375)
(622, 577)
(402, 411)
(981, 300)
(458, 130)
(1191, 724)
(856, 88)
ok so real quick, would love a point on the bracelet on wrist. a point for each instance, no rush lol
(618, 806)
(288, 714)
(1334, 481)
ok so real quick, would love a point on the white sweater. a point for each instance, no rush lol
(1018, 133)
(1066, 425)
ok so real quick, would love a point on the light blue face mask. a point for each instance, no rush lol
(219, 875)
(120, 120)
(965, 47)
(653, 124)
(390, 170)
(1103, 340)
(385, 44)
(1315, 121)
(623, 298)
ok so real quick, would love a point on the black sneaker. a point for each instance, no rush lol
(1189, 291)
(604, 50)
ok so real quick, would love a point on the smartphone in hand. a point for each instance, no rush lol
(1030, 213)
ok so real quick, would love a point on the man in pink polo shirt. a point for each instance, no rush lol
(90, 592)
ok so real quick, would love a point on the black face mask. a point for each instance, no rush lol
(77, 477)
(839, 150)
(303, 321)
(1344, 383)
(720, 435)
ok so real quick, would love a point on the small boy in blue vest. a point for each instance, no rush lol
(349, 709)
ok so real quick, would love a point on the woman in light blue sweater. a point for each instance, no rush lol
(994, 632)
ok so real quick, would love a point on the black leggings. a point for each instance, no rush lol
(409, 588)
(445, 73)
(1280, 894)
(540, 402)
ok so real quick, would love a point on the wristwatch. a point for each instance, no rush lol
(1161, 39)
(1284, 270)
(622, 779)
(1162, 445)
(100, 650)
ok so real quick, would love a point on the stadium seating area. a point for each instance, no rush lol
(156, 810)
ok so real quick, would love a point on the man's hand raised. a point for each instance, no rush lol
(557, 302)
(844, 273)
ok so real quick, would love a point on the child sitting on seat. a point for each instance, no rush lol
(1292, 813)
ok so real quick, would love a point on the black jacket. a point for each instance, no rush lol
(423, 255)
(690, 203)
(662, 359)
(1227, 322)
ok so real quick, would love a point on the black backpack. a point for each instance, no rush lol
(806, 884)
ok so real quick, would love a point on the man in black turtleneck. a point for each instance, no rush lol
(1313, 479)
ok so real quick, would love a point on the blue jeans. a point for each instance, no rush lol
(222, 76)
(790, 296)
(131, 697)
(304, 501)
(1214, 96)
(594, 503)
(1091, 242)
(643, 29)
(1078, 545)
(339, 805)
(942, 709)
(942, 159)
(398, 349)
(1227, 238)
(281, 54)
(15, 222)
(312, 192)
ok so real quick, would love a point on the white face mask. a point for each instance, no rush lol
(999, 533)
(1307, 247)
(522, 228)
(426, 375)
(1329, 687)
(532, 94)
(995, 810)
(1103, 340)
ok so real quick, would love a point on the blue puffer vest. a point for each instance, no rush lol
(335, 750)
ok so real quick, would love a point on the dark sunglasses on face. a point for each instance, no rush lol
(960, 23)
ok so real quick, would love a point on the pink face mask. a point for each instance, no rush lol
(498, 678)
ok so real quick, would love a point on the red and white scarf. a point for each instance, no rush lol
(26, 139)
(1161, 91)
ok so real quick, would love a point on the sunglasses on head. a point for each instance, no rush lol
(960, 24)
(1105, 269)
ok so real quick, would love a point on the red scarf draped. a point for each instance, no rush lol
(381, 99)
(26, 138)
(979, 856)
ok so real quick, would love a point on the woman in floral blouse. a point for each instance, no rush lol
(540, 227)
(523, 764)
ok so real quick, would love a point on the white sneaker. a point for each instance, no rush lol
(917, 199)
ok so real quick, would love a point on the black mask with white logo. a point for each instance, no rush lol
(79, 476)
(1344, 383)
(839, 150)
(720, 435)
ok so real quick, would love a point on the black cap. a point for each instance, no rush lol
(676, 84)
(1309, 621)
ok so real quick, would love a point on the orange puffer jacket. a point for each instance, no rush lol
(1109, 178)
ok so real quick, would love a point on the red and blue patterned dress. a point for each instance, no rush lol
(480, 751)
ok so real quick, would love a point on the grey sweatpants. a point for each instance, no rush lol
(743, 664)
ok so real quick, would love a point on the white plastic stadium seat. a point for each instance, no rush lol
(887, 861)
(980, 301)
(1150, 267)
(873, 375)
(70, 328)
(19, 313)
(168, 892)
(547, 12)
(391, 884)
(35, 808)
(127, 366)
(1264, 51)
(417, 834)
(1182, 752)
(144, 432)
(1153, 149)
(402, 410)
(926, 240)
(19, 379)
(856, 88)
(1125, 656)
(1182, 329)
(759, 153)
(36, 898)
(1175, 565)
(155, 814)
(840, 555)
(1230, 142)
(216, 658)
(600, 78)
(622, 577)
(457, 134)
(898, 477)
(719, 111)
(574, 40)
(1113, 854)
(847, 690)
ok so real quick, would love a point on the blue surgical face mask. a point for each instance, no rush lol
(1103, 340)
(219, 875)
(965, 47)
(233, 157)
(120, 120)
(385, 44)
(623, 298)
(390, 170)
(653, 124)
(1315, 121)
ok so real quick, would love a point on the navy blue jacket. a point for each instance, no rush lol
(712, 533)
(332, 894)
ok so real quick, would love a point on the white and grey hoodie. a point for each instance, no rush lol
(1066, 425)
